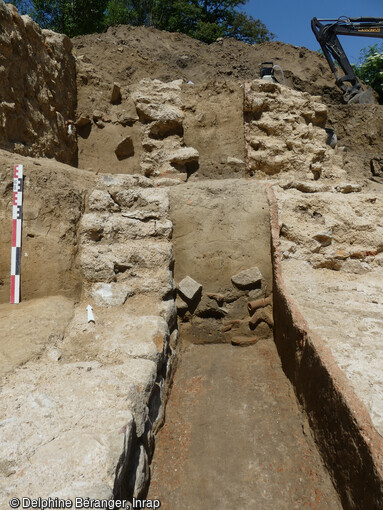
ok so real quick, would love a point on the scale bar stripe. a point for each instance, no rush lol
(13, 262)
(13, 289)
(18, 261)
(14, 233)
(18, 235)
(17, 213)
(15, 286)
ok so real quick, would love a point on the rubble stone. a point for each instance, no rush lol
(189, 288)
(248, 278)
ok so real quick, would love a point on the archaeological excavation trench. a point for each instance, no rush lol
(234, 436)
(233, 262)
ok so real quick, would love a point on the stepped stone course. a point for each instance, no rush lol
(89, 406)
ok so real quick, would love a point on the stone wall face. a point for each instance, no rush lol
(106, 380)
(37, 89)
(285, 133)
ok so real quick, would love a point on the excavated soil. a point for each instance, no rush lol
(52, 208)
(129, 54)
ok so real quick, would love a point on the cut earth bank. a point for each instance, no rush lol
(100, 236)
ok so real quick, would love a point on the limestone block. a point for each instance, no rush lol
(189, 289)
(148, 199)
(164, 113)
(127, 117)
(126, 198)
(85, 455)
(116, 182)
(265, 86)
(168, 312)
(184, 155)
(82, 120)
(97, 264)
(235, 161)
(62, 435)
(92, 226)
(164, 228)
(100, 200)
(101, 263)
(166, 127)
(248, 278)
(167, 181)
(122, 227)
(144, 254)
(348, 187)
(255, 103)
(110, 294)
(174, 339)
(97, 115)
(151, 282)
(144, 337)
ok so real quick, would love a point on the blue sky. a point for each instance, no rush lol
(290, 20)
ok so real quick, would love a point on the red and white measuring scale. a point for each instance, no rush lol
(17, 214)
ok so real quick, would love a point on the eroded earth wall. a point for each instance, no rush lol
(37, 89)
(53, 204)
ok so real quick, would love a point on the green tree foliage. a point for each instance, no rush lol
(205, 20)
(370, 69)
(71, 17)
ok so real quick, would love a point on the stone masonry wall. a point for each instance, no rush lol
(88, 407)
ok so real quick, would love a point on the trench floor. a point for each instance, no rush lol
(234, 437)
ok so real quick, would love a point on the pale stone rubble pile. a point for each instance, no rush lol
(336, 227)
(285, 133)
(331, 231)
(80, 420)
(160, 108)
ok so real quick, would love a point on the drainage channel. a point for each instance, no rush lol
(234, 436)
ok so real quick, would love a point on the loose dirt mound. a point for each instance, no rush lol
(128, 54)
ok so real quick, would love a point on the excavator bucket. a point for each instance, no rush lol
(364, 97)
